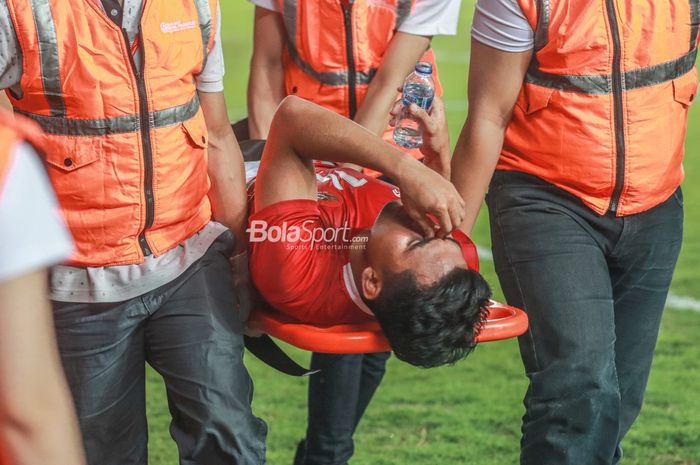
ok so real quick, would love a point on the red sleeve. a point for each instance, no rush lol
(291, 274)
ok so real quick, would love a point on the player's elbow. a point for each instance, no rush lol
(291, 107)
(289, 114)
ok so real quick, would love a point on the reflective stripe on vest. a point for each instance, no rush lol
(331, 78)
(48, 51)
(602, 84)
(694, 22)
(205, 25)
(117, 125)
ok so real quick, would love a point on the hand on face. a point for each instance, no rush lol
(424, 192)
(436, 139)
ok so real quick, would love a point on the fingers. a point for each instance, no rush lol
(429, 124)
(437, 110)
(445, 223)
(457, 214)
(396, 108)
(427, 227)
(451, 214)
(395, 112)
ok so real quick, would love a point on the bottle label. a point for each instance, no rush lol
(423, 102)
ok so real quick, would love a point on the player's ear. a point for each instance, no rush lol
(371, 283)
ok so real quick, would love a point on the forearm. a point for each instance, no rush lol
(265, 92)
(225, 167)
(335, 138)
(473, 164)
(373, 114)
(398, 61)
(266, 80)
(495, 79)
(227, 193)
(37, 420)
(46, 434)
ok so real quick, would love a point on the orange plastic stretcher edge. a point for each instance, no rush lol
(503, 322)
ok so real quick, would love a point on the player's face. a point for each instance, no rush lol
(396, 244)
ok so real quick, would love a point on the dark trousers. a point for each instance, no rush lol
(594, 288)
(189, 332)
(338, 397)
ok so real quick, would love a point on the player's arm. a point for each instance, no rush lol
(37, 423)
(266, 80)
(495, 78)
(302, 131)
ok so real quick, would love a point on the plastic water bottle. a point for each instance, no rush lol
(418, 88)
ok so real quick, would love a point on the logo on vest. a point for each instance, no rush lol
(177, 26)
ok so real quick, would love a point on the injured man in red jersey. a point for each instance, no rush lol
(330, 245)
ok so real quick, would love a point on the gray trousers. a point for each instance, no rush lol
(189, 332)
(594, 288)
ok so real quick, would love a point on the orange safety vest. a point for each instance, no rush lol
(128, 156)
(334, 48)
(603, 110)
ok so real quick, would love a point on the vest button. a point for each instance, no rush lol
(294, 89)
(68, 162)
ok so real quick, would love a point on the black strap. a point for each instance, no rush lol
(266, 350)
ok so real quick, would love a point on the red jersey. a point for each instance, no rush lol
(299, 249)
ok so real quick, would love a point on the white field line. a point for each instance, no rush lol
(673, 300)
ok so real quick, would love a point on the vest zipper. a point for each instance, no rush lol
(352, 92)
(617, 108)
(144, 119)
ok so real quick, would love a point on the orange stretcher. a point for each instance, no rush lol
(503, 322)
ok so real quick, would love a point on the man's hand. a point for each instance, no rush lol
(436, 139)
(430, 200)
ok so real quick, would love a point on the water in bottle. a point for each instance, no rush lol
(418, 88)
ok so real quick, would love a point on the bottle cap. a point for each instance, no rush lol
(423, 67)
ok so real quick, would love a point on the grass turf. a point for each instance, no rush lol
(469, 413)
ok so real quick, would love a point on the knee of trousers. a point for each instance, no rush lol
(579, 393)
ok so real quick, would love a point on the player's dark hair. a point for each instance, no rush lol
(434, 325)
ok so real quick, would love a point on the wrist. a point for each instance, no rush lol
(401, 167)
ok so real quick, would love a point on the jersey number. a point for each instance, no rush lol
(336, 176)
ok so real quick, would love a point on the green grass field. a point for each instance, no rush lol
(469, 413)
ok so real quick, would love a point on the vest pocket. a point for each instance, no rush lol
(534, 98)
(685, 88)
(196, 131)
(73, 153)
